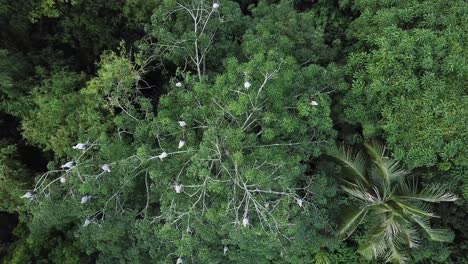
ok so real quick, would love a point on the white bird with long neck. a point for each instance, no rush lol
(245, 221)
(106, 168)
(181, 144)
(225, 250)
(88, 221)
(215, 5)
(29, 195)
(300, 202)
(178, 188)
(179, 261)
(178, 84)
(163, 155)
(247, 85)
(68, 165)
(182, 124)
(81, 146)
(85, 199)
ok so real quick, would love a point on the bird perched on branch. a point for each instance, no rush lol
(182, 124)
(106, 168)
(178, 188)
(88, 221)
(247, 85)
(29, 195)
(81, 146)
(299, 202)
(163, 155)
(68, 165)
(181, 144)
(86, 199)
(245, 221)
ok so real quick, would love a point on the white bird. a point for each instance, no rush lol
(68, 165)
(178, 84)
(162, 155)
(178, 188)
(181, 143)
(179, 261)
(81, 146)
(313, 103)
(106, 168)
(88, 221)
(267, 204)
(245, 221)
(225, 250)
(182, 124)
(85, 199)
(247, 85)
(63, 179)
(300, 202)
(29, 195)
(215, 6)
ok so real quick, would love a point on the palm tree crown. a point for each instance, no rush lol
(391, 204)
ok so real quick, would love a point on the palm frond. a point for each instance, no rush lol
(389, 169)
(412, 209)
(433, 194)
(374, 247)
(410, 236)
(395, 255)
(351, 222)
(360, 194)
(440, 235)
(321, 258)
(391, 227)
(353, 165)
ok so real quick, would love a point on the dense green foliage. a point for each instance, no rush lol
(411, 86)
(208, 129)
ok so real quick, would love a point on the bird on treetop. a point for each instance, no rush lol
(178, 84)
(181, 143)
(29, 195)
(300, 202)
(68, 165)
(182, 124)
(178, 188)
(162, 155)
(88, 221)
(215, 5)
(247, 85)
(245, 221)
(81, 146)
(85, 199)
(106, 168)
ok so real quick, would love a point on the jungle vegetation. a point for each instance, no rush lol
(266, 131)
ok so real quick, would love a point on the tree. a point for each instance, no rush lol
(409, 78)
(390, 205)
(196, 36)
(277, 26)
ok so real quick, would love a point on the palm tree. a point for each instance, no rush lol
(389, 203)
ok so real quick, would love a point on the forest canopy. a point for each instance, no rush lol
(195, 131)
